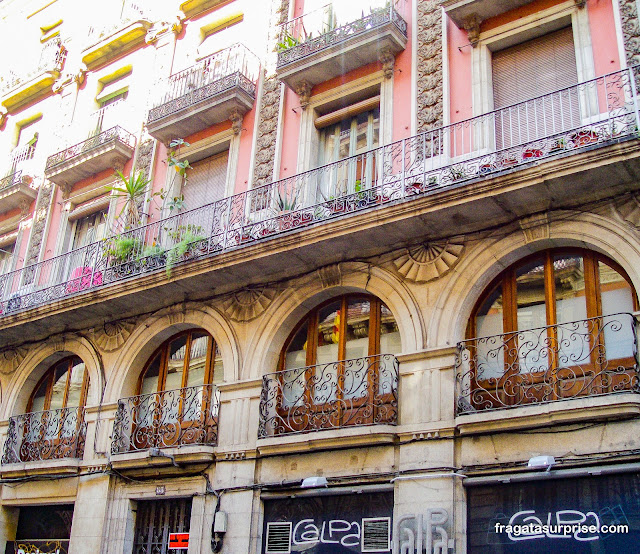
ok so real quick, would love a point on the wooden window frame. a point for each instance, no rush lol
(593, 303)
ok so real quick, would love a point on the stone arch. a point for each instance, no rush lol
(39, 359)
(487, 260)
(150, 333)
(288, 309)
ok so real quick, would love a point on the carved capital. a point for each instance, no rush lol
(303, 90)
(472, 25)
(236, 121)
(388, 60)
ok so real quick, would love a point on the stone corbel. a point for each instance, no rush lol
(24, 207)
(3, 115)
(66, 190)
(472, 25)
(236, 121)
(580, 3)
(80, 75)
(303, 90)
(388, 60)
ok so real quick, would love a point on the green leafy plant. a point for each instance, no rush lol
(288, 41)
(119, 250)
(184, 237)
(132, 189)
(286, 204)
(152, 251)
(174, 161)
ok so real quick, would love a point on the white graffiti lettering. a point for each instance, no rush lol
(335, 531)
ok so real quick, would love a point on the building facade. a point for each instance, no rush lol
(314, 276)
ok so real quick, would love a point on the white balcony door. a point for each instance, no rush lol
(528, 70)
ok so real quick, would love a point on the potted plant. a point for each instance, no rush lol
(153, 255)
(558, 144)
(132, 189)
(456, 173)
(185, 237)
(121, 249)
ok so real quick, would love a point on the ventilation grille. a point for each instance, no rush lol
(278, 538)
(376, 534)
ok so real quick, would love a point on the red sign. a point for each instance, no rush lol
(178, 540)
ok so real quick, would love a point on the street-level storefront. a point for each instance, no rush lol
(559, 513)
(42, 530)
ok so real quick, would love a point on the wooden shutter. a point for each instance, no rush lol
(207, 181)
(528, 70)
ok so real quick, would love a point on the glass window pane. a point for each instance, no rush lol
(198, 358)
(150, 380)
(389, 333)
(616, 297)
(175, 365)
(532, 314)
(59, 386)
(328, 333)
(296, 355)
(38, 401)
(356, 375)
(568, 272)
(490, 322)
(75, 385)
(218, 373)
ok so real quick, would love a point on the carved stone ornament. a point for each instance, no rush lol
(429, 261)
(330, 276)
(629, 210)
(388, 60)
(236, 121)
(248, 304)
(630, 30)
(10, 359)
(303, 90)
(472, 25)
(429, 66)
(113, 335)
(535, 227)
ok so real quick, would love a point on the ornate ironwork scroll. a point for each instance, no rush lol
(361, 391)
(47, 435)
(165, 419)
(590, 357)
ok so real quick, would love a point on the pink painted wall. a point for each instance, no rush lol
(603, 36)
(459, 53)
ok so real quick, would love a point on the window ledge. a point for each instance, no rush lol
(614, 406)
(370, 435)
(461, 11)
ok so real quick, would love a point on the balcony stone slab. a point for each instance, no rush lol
(28, 91)
(563, 182)
(340, 51)
(87, 159)
(17, 194)
(462, 12)
(64, 466)
(115, 44)
(624, 405)
(185, 455)
(202, 108)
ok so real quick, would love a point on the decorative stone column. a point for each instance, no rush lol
(429, 66)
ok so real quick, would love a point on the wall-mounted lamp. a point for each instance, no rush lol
(542, 462)
(314, 482)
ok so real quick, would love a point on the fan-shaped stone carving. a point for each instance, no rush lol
(248, 304)
(111, 336)
(10, 359)
(428, 261)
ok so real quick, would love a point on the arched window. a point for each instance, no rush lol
(325, 335)
(552, 326)
(188, 359)
(177, 400)
(64, 385)
(53, 426)
(337, 368)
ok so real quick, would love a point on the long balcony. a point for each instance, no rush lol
(591, 357)
(358, 392)
(22, 84)
(48, 435)
(333, 40)
(219, 87)
(173, 418)
(107, 150)
(509, 163)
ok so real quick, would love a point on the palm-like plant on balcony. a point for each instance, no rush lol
(132, 190)
(186, 237)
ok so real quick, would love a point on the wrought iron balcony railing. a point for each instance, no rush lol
(590, 357)
(593, 114)
(333, 24)
(52, 57)
(48, 435)
(14, 178)
(166, 419)
(233, 67)
(362, 391)
(115, 134)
